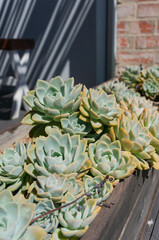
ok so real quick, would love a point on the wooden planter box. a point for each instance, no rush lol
(130, 213)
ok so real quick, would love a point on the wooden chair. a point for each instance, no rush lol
(20, 66)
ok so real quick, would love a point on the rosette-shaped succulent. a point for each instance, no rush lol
(57, 153)
(153, 72)
(73, 125)
(52, 100)
(134, 138)
(48, 222)
(12, 167)
(108, 159)
(150, 88)
(131, 76)
(115, 87)
(100, 193)
(99, 109)
(15, 218)
(76, 218)
(56, 186)
(151, 122)
(136, 105)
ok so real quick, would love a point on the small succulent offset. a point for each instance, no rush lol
(131, 76)
(57, 153)
(73, 125)
(48, 222)
(99, 108)
(108, 159)
(56, 186)
(52, 100)
(134, 138)
(16, 215)
(12, 172)
(99, 193)
(76, 218)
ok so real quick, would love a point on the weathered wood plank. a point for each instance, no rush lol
(155, 232)
(120, 221)
(151, 217)
(13, 135)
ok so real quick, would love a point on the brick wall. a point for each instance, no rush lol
(137, 33)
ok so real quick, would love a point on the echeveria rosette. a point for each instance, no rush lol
(134, 138)
(99, 109)
(48, 222)
(75, 219)
(108, 159)
(73, 125)
(57, 153)
(53, 100)
(153, 72)
(101, 193)
(150, 88)
(132, 76)
(55, 187)
(12, 162)
(151, 122)
(16, 215)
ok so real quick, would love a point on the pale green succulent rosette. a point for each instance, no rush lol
(131, 76)
(134, 138)
(150, 88)
(48, 222)
(52, 100)
(73, 125)
(151, 122)
(12, 172)
(108, 159)
(57, 153)
(99, 109)
(75, 219)
(100, 193)
(15, 218)
(56, 186)
(153, 72)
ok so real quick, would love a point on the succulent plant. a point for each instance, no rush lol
(153, 72)
(48, 222)
(99, 109)
(150, 88)
(52, 100)
(73, 125)
(102, 193)
(108, 159)
(151, 122)
(134, 138)
(16, 215)
(76, 218)
(131, 76)
(57, 153)
(56, 186)
(12, 172)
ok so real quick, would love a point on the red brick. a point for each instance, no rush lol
(121, 27)
(146, 26)
(126, 11)
(147, 42)
(132, 58)
(125, 42)
(148, 10)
